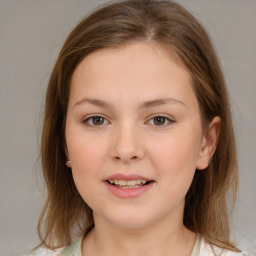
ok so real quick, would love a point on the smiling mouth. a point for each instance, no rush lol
(129, 184)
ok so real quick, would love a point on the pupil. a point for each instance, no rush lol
(159, 120)
(98, 120)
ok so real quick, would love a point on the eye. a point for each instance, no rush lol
(95, 121)
(160, 121)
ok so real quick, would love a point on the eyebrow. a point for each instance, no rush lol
(158, 102)
(146, 104)
(96, 102)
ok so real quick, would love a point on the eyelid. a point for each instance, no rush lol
(86, 118)
(168, 118)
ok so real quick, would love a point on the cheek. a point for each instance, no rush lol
(175, 156)
(86, 152)
(87, 155)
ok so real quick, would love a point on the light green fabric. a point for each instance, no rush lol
(196, 249)
(75, 248)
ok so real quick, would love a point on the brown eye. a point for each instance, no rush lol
(159, 120)
(98, 120)
(95, 121)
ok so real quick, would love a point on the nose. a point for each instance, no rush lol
(127, 144)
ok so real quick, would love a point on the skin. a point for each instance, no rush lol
(130, 141)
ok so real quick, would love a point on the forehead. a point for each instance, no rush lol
(134, 69)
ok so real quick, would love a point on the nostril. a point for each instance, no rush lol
(126, 158)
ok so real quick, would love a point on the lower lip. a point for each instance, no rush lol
(129, 192)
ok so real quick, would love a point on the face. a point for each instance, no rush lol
(134, 134)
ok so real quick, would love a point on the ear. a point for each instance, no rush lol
(209, 143)
(66, 150)
(68, 162)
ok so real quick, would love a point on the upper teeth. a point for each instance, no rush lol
(127, 182)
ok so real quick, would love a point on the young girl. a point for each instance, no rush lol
(138, 148)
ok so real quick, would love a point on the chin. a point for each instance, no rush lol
(133, 220)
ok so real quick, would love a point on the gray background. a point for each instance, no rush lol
(31, 34)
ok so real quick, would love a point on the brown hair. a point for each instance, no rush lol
(167, 24)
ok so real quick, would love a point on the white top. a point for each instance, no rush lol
(201, 248)
(206, 250)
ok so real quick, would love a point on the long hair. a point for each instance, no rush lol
(168, 25)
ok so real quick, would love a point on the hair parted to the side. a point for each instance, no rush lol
(166, 24)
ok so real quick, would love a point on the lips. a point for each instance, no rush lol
(128, 186)
(126, 177)
(128, 181)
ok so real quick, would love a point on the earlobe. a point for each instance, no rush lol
(68, 162)
(209, 143)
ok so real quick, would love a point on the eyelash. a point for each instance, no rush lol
(86, 121)
(166, 119)
(90, 118)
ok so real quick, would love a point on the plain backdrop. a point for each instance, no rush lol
(31, 34)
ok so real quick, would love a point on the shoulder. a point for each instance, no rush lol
(207, 250)
(73, 249)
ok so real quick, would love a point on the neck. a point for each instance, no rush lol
(162, 238)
